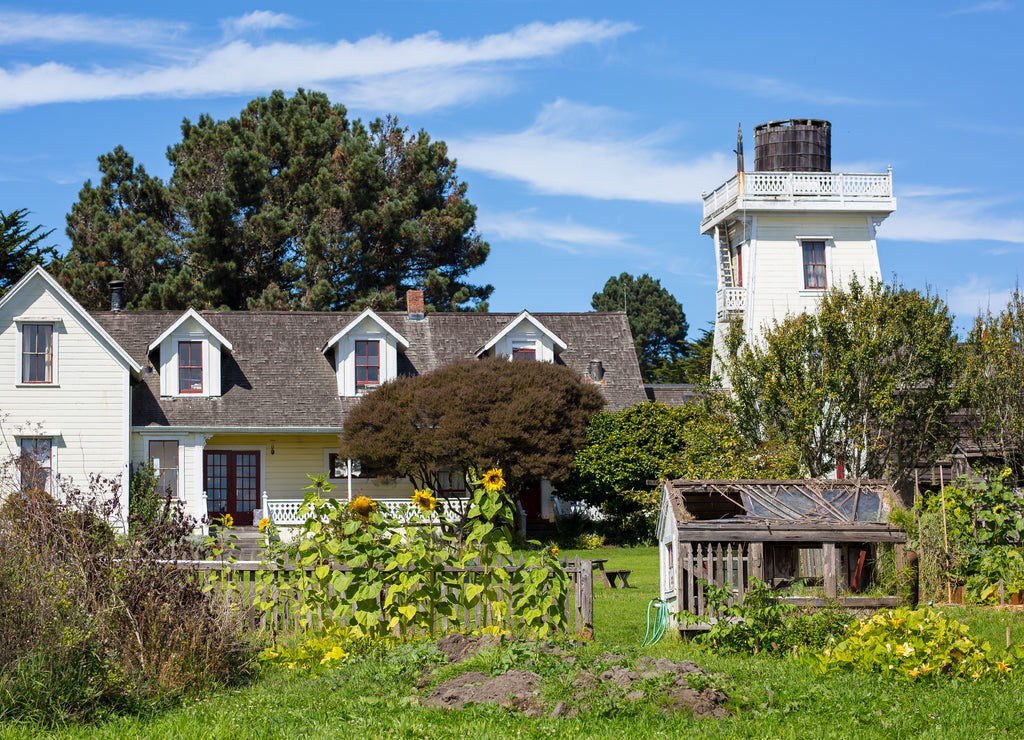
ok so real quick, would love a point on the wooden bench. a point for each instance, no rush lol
(622, 576)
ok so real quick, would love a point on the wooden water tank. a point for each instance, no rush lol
(796, 145)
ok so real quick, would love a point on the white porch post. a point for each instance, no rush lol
(265, 505)
(205, 520)
(349, 476)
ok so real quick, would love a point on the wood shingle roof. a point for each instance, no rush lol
(277, 377)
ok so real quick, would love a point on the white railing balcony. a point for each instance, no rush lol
(730, 301)
(803, 189)
(285, 512)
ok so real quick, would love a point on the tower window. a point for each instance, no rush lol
(814, 265)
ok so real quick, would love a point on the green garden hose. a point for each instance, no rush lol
(660, 621)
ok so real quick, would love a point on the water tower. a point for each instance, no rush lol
(790, 229)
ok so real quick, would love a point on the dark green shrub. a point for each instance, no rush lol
(91, 624)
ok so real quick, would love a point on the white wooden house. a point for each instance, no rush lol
(235, 409)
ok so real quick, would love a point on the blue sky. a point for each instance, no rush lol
(585, 130)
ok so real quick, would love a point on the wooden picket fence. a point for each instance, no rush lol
(236, 588)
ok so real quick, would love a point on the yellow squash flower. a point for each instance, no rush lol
(494, 480)
(424, 499)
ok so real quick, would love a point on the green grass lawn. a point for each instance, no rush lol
(770, 697)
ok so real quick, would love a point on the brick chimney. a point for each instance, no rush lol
(414, 303)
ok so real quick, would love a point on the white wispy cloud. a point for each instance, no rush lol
(985, 7)
(574, 149)
(259, 20)
(977, 294)
(238, 66)
(78, 28)
(944, 219)
(565, 235)
(774, 88)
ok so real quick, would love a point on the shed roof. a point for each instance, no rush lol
(853, 500)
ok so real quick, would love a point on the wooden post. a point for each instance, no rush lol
(945, 532)
(828, 557)
(587, 605)
(757, 560)
(685, 587)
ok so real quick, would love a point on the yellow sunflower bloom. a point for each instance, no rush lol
(264, 523)
(228, 520)
(494, 480)
(424, 499)
(363, 506)
(554, 551)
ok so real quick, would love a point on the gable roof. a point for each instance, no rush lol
(367, 314)
(191, 314)
(523, 317)
(72, 306)
(278, 377)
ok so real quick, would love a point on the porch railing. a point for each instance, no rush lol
(285, 512)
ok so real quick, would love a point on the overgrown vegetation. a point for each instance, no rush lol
(408, 578)
(92, 624)
(762, 623)
(968, 534)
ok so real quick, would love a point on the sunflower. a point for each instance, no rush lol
(494, 480)
(264, 523)
(228, 520)
(998, 509)
(554, 551)
(363, 506)
(424, 499)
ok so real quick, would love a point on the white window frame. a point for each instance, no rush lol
(51, 481)
(829, 264)
(178, 494)
(19, 367)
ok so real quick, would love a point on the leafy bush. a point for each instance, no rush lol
(91, 624)
(588, 541)
(917, 645)
(763, 623)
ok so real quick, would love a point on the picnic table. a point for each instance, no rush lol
(611, 577)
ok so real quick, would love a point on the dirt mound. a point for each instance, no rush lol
(459, 647)
(513, 689)
(519, 689)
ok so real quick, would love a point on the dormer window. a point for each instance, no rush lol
(190, 367)
(190, 357)
(367, 362)
(525, 339)
(365, 353)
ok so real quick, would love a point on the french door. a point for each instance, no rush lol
(232, 482)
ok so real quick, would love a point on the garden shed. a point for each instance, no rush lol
(814, 540)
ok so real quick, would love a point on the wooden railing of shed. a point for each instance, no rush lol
(733, 564)
(236, 588)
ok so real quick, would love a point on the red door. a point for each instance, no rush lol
(232, 484)
(529, 497)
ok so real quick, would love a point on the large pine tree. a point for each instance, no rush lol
(289, 205)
